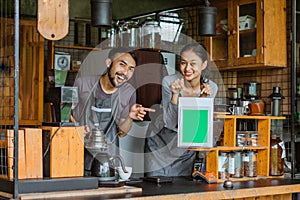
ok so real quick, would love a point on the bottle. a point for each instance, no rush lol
(197, 165)
(276, 156)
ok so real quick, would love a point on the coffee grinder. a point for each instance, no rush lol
(234, 96)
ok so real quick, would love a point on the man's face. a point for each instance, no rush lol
(121, 69)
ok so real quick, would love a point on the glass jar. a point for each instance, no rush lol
(238, 165)
(250, 164)
(276, 156)
(223, 166)
(241, 139)
(130, 34)
(253, 139)
(151, 34)
(231, 164)
(112, 37)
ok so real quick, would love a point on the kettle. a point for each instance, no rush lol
(102, 164)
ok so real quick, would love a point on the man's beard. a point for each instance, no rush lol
(111, 77)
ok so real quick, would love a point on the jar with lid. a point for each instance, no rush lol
(253, 139)
(151, 34)
(231, 164)
(276, 156)
(130, 34)
(223, 166)
(238, 164)
(241, 138)
(250, 163)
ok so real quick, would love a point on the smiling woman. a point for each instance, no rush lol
(163, 157)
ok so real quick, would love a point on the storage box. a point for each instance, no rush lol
(246, 22)
(30, 162)
(64, 151)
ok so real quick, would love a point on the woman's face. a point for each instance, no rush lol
(191, 65)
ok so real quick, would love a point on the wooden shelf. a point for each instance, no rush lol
(228, 148)
(248, 31)
(77, 47)
(248, 117)
(263, 150)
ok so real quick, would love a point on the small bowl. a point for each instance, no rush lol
(122, 174)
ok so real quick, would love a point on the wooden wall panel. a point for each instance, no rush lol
(31, 73)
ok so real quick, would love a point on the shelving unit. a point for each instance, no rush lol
(252, 46)
(263, 150)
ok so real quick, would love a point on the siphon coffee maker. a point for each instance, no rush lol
(103, 165)
(253, 93)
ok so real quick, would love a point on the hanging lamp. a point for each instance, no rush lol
(207, 20)
(101, 11)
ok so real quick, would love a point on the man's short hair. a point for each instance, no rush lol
(112, 53)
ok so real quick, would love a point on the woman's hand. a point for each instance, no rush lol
(137, 112)
(206, 89)
(177, 86)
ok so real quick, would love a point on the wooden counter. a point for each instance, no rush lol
(185, 188)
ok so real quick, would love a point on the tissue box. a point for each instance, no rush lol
(246, 22)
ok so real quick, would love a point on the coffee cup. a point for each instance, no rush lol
(124, 175)
(237, 110)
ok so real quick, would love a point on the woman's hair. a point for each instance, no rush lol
(198, 49)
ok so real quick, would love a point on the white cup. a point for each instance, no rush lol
(122, 174)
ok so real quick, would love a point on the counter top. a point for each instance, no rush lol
(186, 188)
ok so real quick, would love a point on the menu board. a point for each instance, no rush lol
(195, 122)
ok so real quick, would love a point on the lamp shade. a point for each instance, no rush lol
(101, 11)
(207, 21)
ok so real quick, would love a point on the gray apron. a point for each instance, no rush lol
(164, 158)
(107, 124)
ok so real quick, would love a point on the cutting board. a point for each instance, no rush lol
(53, 18)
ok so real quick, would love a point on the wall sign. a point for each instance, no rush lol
(195, 122)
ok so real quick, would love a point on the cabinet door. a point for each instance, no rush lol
(250, 34)
(217, 46)
(245, 32)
